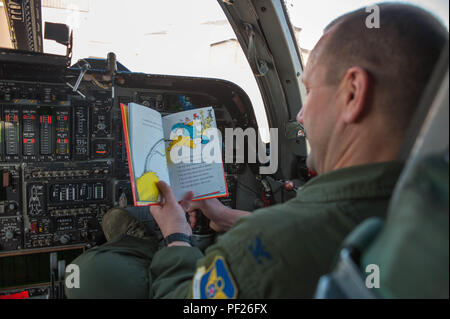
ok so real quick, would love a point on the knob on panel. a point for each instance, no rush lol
(64, 239)
(9, 234)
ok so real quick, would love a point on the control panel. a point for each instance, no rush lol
(55, 164)
(63, 161)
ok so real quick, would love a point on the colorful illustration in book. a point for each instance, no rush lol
(146, 184)
(191, 133)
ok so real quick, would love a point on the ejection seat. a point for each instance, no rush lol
(407, 256)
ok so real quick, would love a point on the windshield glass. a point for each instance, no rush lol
(172, 37)
(309, 18)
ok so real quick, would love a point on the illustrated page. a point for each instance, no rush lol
(194, 154)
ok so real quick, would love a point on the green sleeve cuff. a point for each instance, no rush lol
(172, 270)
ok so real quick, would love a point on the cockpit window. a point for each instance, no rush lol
(172, 37)
(309, 18)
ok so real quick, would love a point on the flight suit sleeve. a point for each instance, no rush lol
(265, 255)
(184, 272)
(269, 254)
(235, 265)
(172, 269)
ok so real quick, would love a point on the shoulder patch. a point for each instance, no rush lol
(215, 282)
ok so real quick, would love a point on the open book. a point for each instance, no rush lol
(183, 149)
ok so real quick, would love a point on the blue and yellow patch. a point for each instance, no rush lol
(214, 283)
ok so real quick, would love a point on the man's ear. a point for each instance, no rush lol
(356, 84)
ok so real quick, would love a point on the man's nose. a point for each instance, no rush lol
(300, 116)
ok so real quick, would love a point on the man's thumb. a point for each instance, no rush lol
(187, 200)
(155, 210)
(166, 191)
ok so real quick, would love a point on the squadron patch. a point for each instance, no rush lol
(215, 282)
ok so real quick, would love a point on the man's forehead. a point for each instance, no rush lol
(310, 68)
(320, 49)
(317, 59)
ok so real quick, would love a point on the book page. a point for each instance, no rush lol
(147, 152)
(194, 154)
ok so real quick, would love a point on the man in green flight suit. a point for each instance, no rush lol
(363, 87)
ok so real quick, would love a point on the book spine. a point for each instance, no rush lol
(225, 180)
(127, 146)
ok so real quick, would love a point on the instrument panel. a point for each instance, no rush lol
(62, 153)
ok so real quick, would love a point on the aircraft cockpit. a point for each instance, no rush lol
(64, 157)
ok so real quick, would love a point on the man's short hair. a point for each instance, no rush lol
(399, 56)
